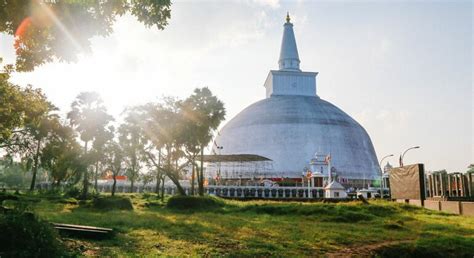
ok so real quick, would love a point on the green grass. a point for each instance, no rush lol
(263, 228)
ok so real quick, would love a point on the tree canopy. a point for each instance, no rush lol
(59, 30)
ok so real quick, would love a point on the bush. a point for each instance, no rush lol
(24, 235)
(7, 196)
(115, 202)
(194, 202)
(73, 192)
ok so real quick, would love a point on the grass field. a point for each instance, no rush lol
(266, 228)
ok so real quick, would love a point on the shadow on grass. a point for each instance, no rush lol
(344, 213)
(430, 247)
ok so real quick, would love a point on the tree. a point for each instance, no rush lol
(132, 140)
(115, 157)
(59, 30)
(13, 174)
(62, 156)
(19, 107)
(97, 154)
(162, 125)
(11, 109)
(203, 113)
(39, 123)
(89, 117)
(146, 178)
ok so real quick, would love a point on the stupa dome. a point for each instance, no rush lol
(293, 123)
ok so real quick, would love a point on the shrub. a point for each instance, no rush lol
(7, 196)
(115, 202)
(24, 235)
(72, 192)
(194, 202)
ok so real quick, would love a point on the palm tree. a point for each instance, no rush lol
(89, 117)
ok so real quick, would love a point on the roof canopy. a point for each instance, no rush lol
(234, 158)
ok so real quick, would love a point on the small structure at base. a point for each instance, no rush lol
(367, 193)
(335, 190)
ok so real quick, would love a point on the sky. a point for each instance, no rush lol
(402, 69)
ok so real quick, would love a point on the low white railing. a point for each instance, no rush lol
(277, 192)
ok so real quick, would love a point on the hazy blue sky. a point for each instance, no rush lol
(402, 69)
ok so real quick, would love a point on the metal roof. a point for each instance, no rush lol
(234, 158)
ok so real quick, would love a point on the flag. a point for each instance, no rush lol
(327, 159)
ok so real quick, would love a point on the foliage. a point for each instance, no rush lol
(59, 30)
(13, 175)
(20, 108)
(114, 202)
(132, 140)
(25, 235)
(177, 131)
(89, 117)
(162, 125)
(194, 202)
(12, 108)
(72, 192)
(114, 161)
(202, 113)
(61, 156)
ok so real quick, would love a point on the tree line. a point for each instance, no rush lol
(162, 138)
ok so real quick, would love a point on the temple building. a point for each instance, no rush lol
(297, 130)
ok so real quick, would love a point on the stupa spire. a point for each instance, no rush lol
(289, 59)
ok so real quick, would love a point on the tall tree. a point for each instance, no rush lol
(202, 113)
(162, 125)
(132, 140)
(97, 154)
(59, 30)
(115, 161)
(89, 117)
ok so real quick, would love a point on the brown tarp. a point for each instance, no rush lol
(407, 182)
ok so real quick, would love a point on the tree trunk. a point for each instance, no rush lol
(132, 182)
(35, 167)
(158, 174)
(192, 178)
(178, 185)
(201, 173)
(114, 184)
(85, 182)
(96, 175)
(163, 188)
(158, 182)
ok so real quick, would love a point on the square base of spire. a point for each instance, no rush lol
(290, 83)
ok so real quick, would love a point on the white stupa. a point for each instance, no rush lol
(293, 122)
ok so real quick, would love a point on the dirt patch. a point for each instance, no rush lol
(364, 250)
(81, 247)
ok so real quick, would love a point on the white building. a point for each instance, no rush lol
(293, 122)
(335, 190)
